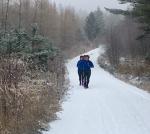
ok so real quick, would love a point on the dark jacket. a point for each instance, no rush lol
(88, 65)
(85, 65)
(81, 64)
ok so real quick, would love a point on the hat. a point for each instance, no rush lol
(87, 56)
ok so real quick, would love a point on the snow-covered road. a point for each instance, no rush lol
(109, 106)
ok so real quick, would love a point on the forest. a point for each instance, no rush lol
(32, 64)
(128, 48)
(36, 39)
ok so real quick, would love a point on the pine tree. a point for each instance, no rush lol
(94, 26)
(99, 21)
(141, 13)
(91, 27)
(140, 10)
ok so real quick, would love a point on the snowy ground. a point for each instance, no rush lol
(109, 106)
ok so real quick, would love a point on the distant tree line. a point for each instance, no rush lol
(61, 25)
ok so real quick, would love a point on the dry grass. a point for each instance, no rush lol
(30, 99)
(139, 70)
(128, 71)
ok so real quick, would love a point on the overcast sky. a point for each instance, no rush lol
(89, 5)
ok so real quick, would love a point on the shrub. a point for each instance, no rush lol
(31, 82)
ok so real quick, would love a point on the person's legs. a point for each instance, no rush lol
(80, 76)
(85, 79)
(88, 78)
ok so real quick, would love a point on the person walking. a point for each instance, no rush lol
(80, 66)
(87, 70)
